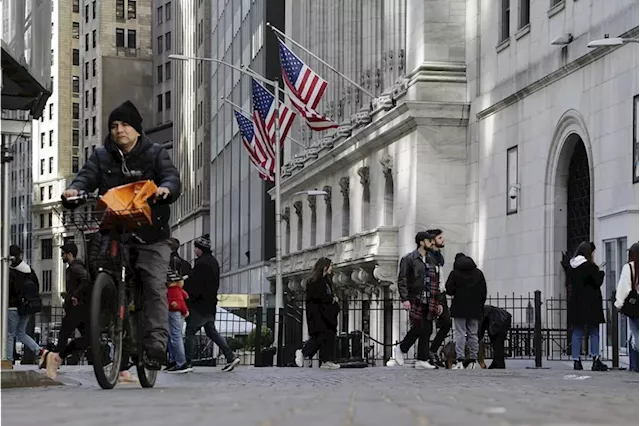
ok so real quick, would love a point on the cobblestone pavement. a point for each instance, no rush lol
(310, 396)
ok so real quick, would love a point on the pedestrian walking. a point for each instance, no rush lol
(418, 285)
(496, 323)
(468, 287)
(627, 303)
(443, 322)
(322, 317)
(202, 287)
(585, 305)
(76, 310)
(24, 302)
(179, 271)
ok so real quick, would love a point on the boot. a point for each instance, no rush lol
(577, 365)
(598, 365)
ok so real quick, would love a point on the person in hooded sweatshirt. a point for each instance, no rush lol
(627, 303)
(584, 308)
(127, 156)
(21, 280)
(468, 287)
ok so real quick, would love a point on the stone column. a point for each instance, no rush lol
(435, 41)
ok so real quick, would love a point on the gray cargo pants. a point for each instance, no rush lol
(152, 264)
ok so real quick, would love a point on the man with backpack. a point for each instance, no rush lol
(24, 302)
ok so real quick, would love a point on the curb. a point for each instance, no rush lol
(12, 379)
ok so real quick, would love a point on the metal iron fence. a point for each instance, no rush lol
(369, 327)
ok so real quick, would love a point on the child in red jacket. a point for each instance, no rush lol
(177, 313)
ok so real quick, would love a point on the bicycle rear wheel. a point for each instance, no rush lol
(147, 377)
(106, 326)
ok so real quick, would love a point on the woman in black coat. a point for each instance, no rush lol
(322, 317)
(584, 309)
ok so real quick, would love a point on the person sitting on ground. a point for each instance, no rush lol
(496, 322)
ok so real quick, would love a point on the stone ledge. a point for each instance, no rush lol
(12, 379)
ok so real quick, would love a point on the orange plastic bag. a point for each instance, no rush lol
(127, 204)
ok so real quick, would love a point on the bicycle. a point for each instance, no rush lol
(116, 294)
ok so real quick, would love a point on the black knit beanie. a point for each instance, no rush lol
(127, 113)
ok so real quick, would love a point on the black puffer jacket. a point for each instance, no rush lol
(468, 287)
(203, 285)
(106, 168)
(78, 283)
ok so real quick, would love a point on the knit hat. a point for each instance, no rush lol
(14, 251)
(203, 243)
(127, 113)
(70, 247)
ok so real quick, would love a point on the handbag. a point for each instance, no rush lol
(630, 306)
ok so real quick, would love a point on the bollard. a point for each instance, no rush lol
(280, 337)
(257, 362)
(615, 341)
(537, 331)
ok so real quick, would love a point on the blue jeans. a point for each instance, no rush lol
(633, 345)
(17, 331)
(176, 344)
(634, 329)
(578, 335)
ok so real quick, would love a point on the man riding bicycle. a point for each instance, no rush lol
(128, 156)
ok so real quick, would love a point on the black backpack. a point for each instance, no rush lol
(630, 307)
(29, 301)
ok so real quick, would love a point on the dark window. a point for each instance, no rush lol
(93, 125)
(159, 103)
(52, 56)
(525, 13)
(160, 45)
(167, 71)
(167, 41)
(86, 13)
(86, 99)
(159, 73)
(86, 70)
(76, 111)
(76, 137)
(505, 13)
(86, 127)
(47, 248)
(167, 100)
(50, 169)
(635, 139)
(86, 153)
(50, 137)
(42, 140)
(42, 169)
(131, 10)
(94, 10)
(50, 219)
(119, 37)
(94, 38)
(119, 9)
(42, 223)
(86, 42)
(75, 164)
(93, 96)
(93, 67)
(131, 39)
(50, 111)
(167, 11)
(76, 30)
(42, 193)
(76, 6)
(76, 84)
(46, 281)
(76, 57)
(160, 16)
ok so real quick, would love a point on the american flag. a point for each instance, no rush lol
(305, 89)
(248, 141)
(264, 121)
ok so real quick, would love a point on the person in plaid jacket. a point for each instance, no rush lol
(418, 285)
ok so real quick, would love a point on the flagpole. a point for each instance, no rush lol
(248, 115)
(281, 34)
(278, 180)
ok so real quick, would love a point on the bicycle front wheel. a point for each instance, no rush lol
(106, 324)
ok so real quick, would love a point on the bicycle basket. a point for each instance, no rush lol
(127, 205)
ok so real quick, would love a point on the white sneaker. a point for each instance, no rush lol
(329, 365)
(299, 358)
(472, 365)
(398, 356)
(458, 366)
(425, 365)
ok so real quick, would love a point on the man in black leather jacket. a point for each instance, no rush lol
(128, 156)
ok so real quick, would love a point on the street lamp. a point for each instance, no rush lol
(615, 41)
(276, 85)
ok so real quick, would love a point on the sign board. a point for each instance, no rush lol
(239, 300)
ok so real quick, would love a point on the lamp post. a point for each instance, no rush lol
(615, 41)
(278, 178)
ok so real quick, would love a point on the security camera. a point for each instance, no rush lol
(513, 191)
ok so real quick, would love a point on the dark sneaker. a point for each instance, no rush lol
(170, 366)
(437, 362)
(231, 365)
(154, 357)
(577, 364)
(598, 365)
(178, 369)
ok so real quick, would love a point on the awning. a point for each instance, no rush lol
(20, 90)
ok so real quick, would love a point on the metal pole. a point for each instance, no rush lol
(537, 331)
(283, 35)
(4, 257)
(278, 179)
